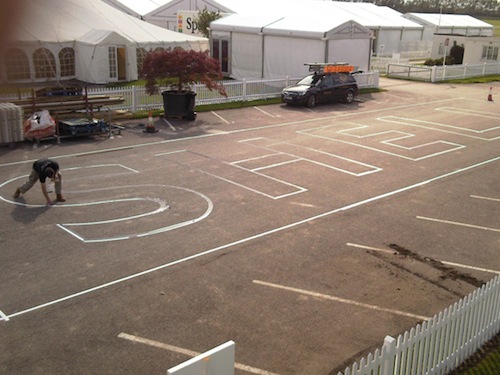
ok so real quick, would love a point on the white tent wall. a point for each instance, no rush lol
(284, 56)
(387, 41)
(354, 51)
(246, 55)
(29, 49)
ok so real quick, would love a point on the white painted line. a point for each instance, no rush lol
(437, 126)
(3, 316)
(470, 267)
(389, 142)
(371, 248)
(220, 117)
(169, 124)
(441, 261)
(485, 198)
(170, 152)
(457, 223)
(256, 236)
(187, 352)
(342, 300)
(264, 112)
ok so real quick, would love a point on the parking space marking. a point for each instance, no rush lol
(187, 352)
(341, 300)
(485, 198)
(387, 251)
(265, 112)
(231, 172)
(472, 112)
(458, 224)
(220, 117)
(458, 130)
(350, 128)
(3, 316)
(312, 155)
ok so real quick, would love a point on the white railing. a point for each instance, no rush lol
(136, 98)
(441, 344)
(440, 73)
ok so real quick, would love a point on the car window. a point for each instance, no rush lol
(344, 78)
(327, 81)
(309, 80)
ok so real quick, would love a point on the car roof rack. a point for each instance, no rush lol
(336, 67)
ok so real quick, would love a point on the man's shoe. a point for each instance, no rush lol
(17, 193)
(60, 198)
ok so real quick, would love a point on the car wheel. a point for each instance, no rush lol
(311, 102)
(349, 97)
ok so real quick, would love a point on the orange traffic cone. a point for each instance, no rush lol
(150, 127)
(490, 95)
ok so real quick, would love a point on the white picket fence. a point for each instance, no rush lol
(438, 73)
(441, 344)
(136, 98)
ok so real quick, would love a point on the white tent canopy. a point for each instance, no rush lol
(268, 47)
(458, 24)
(388, 25)
(103, 42)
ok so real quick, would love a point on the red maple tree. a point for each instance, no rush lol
(179, 69)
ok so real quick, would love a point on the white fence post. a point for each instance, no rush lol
(389, 353)
(134, 99)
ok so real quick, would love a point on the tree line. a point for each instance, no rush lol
(474, 8)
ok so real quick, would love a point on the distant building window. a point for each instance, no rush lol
(490, 53)
(67, 62)
(45, 63)
(141, 55)
(17, 64)
(113, 65)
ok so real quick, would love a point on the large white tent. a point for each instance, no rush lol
(86, 40)
(389, 26)
(269, 47)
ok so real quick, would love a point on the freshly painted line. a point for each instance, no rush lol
(441, 261)
(256, 236)
(485, 198)
(342, 300)
(470, 267)
(371, 248)
(220, 117)
(457, 223)
(169, 124)
(3, 316)
(170, 152)
(187, 352)
(264, 112)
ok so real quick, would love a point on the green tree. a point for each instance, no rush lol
(203, 20)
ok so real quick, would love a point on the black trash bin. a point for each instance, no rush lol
(179, 104)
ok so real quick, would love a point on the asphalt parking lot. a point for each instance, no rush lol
(304, 235)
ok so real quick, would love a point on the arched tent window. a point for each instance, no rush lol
(67, 62)
(45, 63)
(159, 49)
(141, 55)
(17, 65)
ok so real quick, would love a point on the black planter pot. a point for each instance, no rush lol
(179, 104)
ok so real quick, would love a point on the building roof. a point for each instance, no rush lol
(313, 15)
(447, 20)
(70, 20)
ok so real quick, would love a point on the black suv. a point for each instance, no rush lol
(321, 88)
